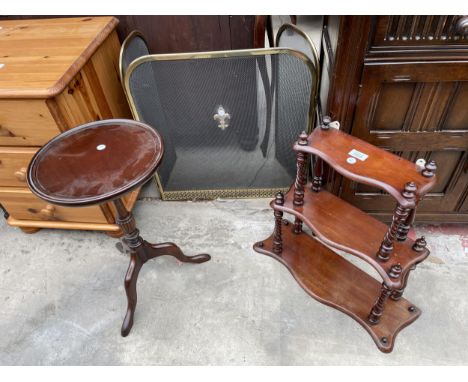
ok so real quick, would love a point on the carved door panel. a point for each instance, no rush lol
(464, 205)
(416, 110)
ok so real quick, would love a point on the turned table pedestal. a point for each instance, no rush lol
(100, 162)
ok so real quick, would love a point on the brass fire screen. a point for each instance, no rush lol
(228, 119)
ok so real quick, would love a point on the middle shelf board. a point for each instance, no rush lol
(345, 227)
(369, 164)
(334, 281)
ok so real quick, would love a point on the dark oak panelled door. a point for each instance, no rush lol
(416, 110)
(180, 34)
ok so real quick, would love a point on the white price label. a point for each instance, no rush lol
(358, 155)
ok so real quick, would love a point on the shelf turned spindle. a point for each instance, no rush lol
(418, 246)
(301, 179)
(428, 171)
(399, 217)
(318, 167)
(278, 241)
(379, 306)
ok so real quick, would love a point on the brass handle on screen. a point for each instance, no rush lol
(48, 211)
(21, 174)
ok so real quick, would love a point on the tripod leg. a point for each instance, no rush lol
(171, 249)
(130, 289)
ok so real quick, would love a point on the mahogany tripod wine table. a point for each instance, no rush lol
(100, 162)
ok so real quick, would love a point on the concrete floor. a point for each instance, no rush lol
(63, 299)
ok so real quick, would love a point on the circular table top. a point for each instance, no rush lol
(95, 162)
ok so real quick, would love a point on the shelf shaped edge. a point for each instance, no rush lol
(324, 214)
(380, 168)
(334, 281)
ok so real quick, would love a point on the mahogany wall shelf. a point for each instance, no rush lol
(329, 278)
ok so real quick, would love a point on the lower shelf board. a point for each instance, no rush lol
(334, 281)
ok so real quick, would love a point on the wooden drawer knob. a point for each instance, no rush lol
(21, 174)
(48, 211)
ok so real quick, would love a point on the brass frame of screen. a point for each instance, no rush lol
(306, 37)
(219, 193)
(128, 39)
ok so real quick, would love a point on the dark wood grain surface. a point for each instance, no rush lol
(95, 162)
(417, 110)
(179, 34)
(400, 82)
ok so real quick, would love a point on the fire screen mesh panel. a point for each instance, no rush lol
(214, 111)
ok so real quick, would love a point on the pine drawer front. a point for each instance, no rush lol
(23, 205)
(14, 163)
(26, 123)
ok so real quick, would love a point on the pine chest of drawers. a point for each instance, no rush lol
(55, 74)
